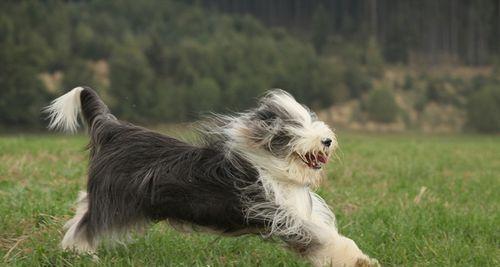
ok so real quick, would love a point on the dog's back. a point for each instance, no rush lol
(136, 175)
(251, 175)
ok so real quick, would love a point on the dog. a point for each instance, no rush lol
(250, 173)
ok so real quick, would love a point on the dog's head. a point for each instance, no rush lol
(285, 138)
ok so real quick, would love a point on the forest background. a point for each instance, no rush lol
(381, 65)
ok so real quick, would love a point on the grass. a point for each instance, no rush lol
(406, 200)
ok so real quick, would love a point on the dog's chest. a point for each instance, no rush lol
(298, 198)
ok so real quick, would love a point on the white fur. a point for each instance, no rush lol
(286, 183)
(63, 111)
(292, 208)
(339, 251)
(73, 239)
(288, 103)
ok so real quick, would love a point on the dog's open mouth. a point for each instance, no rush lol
(314, 160)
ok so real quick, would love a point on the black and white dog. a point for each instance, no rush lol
(251, 173)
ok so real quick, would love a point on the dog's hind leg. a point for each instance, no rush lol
(76, 237)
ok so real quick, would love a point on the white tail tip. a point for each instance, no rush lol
(63, 111)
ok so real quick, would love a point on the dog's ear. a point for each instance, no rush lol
(262, 124)
(267, 131)
(265, 115)
(267, 120)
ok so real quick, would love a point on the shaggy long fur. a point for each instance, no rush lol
(251, 173)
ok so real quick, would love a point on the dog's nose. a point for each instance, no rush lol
(326, 142)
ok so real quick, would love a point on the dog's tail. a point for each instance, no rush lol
(63, 111)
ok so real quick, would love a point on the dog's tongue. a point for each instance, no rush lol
(321, 158)
(312, 161)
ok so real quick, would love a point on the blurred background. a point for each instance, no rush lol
(379, 65)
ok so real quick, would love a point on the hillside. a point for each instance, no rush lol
(185, 59)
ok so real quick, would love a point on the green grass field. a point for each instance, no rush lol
(406, 200)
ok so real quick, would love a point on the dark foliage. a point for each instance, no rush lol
(483, 109)
(170, 61)
(427, 30)
(381, 106)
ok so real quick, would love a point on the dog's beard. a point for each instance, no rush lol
(250, 174)
(281, 137)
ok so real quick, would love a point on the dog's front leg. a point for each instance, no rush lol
(323, 246)
(339, 251)
(328, 247)
(318, 240)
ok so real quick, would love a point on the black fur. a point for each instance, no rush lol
(137, 175)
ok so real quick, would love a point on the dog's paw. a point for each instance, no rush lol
(369, 262)
(95, 258)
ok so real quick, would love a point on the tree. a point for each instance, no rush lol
(205, 95)
(373, 59)
(483, 109)
(356, 80)
(131, 83)
(78, 73)
(22, 95)
(320, 26)
(381, 106)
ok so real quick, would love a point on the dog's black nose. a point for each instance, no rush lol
(326, 141)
